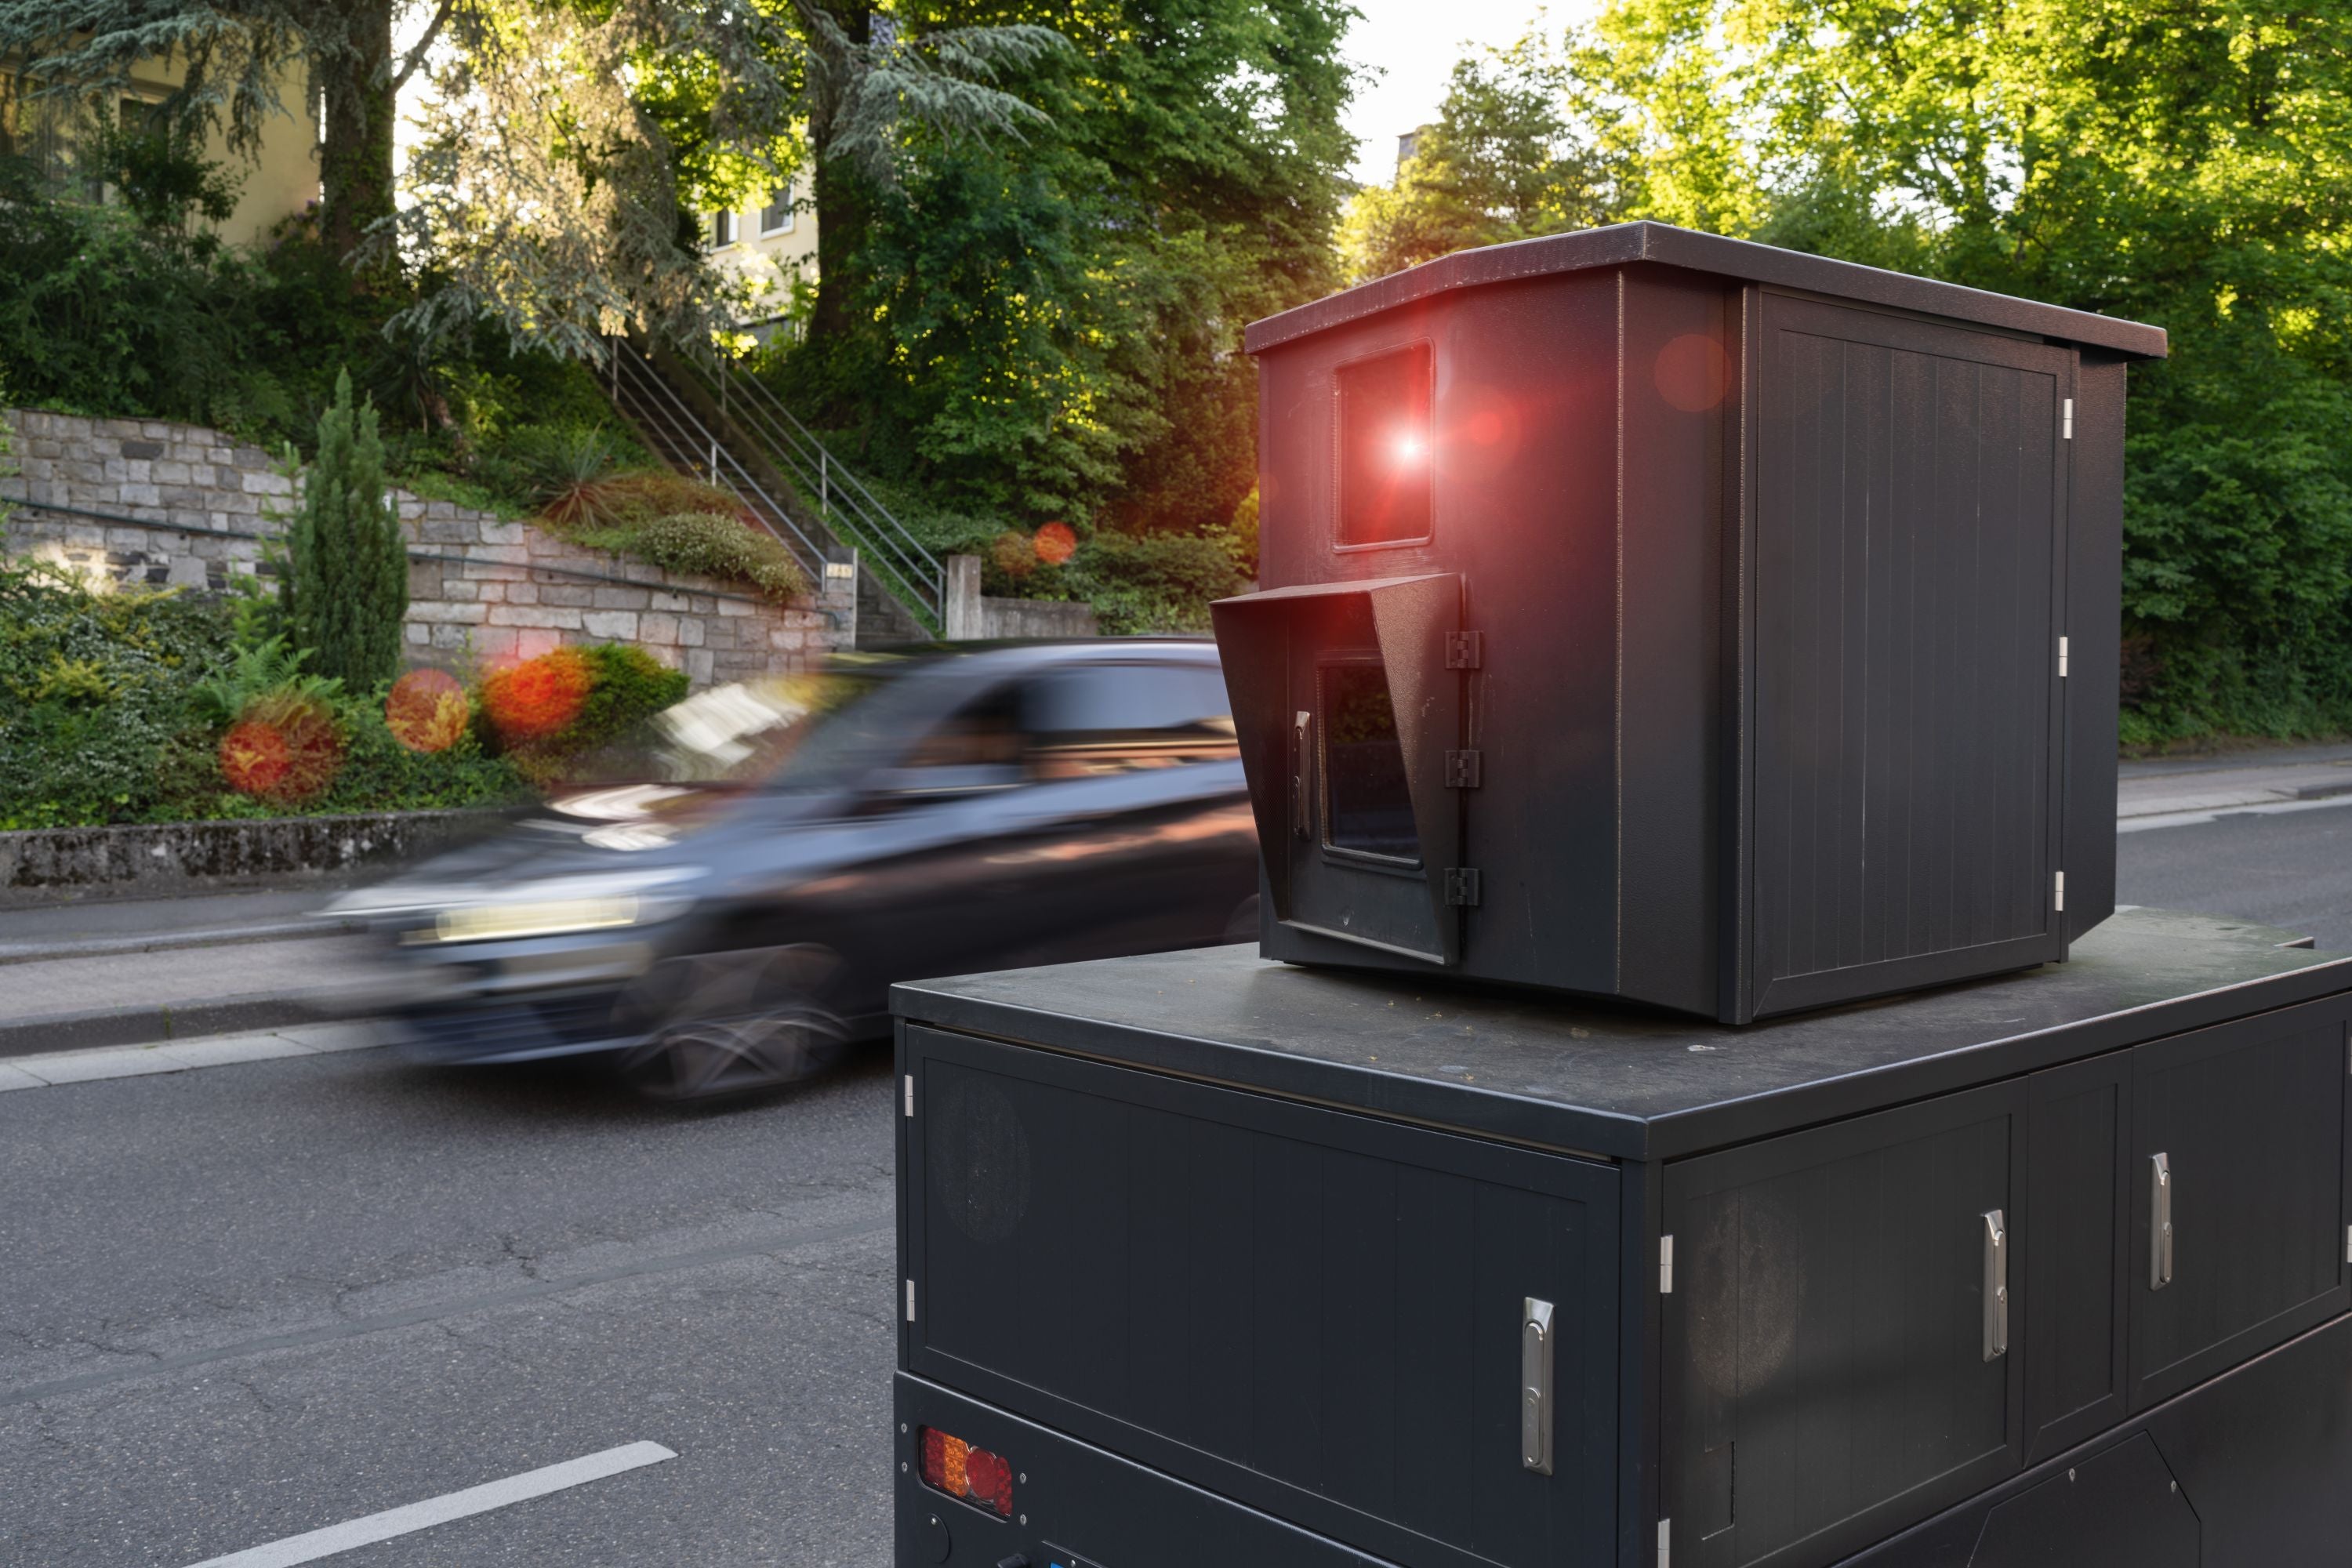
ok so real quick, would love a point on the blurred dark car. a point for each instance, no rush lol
(727, 908)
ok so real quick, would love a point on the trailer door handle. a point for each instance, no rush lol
(1535, 1385)
(2160, 1222)
(1996, 1286)
(1302, 774)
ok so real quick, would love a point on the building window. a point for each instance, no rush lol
(776, 217)
(722, 230)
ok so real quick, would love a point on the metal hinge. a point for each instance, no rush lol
(911, 1301)
(1665, 1541)
(1665, 1266)
(910, 1094)
(2059, 894)
(2062, 658)
(2066, 421)
(1466, 650)
(1462, 770)
(1462, 886)
(2348, 1244)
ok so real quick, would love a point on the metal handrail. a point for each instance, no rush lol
(915, 575)
(674, 424)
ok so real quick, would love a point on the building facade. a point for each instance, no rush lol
(771, 249)
(59, 134)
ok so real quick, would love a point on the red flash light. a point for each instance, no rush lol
(954, 1466)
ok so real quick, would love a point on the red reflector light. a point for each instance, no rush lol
(954, 1466)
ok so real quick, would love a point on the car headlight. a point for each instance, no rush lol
(559, 907)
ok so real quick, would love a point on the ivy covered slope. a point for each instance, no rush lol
(2182, 165)
(166, 706)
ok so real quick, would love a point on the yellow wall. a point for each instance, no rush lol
(769, 261)
(279, 180)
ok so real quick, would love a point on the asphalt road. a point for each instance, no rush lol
(247, 1302)
(2292, 869)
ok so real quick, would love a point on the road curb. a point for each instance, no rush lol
(150, 1026)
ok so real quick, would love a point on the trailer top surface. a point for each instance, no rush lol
(1621, 1081)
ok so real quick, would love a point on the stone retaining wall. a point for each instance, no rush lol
(45, 865)
(498, 591)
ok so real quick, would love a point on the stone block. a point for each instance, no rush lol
(137, 494)
(784, 641)
(689, 632)
(499, 645)
(168, 472)
(667, 656)
(733, 608)
(444, 531)
(492, 532)
(187, 572)
(418, 634)
(536, 617)
(579, 596)
(531, 644)
(264, 484)
(658, 631)
(495, 593)
(505, 554)
(703, 604)
(491, 571)
(424, 581)
(620, 625)
(610, 598)
(672, 604)
(444, 612)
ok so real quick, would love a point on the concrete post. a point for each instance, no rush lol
(959, 614)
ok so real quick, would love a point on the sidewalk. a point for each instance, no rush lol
(2188, 788)
(135, 972)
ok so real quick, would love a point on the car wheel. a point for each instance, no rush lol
(733, 1023)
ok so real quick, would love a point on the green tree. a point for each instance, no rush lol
(346, 588)
(2183, 165)
(1503, 161)
(1048, 326)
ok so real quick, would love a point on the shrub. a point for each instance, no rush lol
(537, 699)
(427, 711)
(286, 748)
(347, 591)
(93, 687)
(547, 713)
(713, 545)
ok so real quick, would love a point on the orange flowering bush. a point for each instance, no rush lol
(1056, 542)
(536, 698)
(427, 711)
(285, 749)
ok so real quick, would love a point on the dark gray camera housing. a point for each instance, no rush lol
(1655, 616)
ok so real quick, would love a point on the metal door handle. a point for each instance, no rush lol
(1302, 775)
(2160, 1222)
(1996, 1286)
(1535, 1385)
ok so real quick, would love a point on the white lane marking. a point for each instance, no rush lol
(425, 1515)
(46, 1069)
(2196, 818)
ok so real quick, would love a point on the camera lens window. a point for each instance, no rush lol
(1370, 809)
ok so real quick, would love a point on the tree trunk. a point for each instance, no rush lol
(844, 204)
(355, 142)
